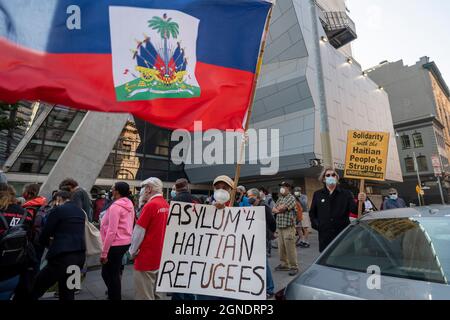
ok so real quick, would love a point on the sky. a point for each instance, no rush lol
(402, 29)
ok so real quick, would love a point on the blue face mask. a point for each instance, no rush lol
(173, 194)
(330, 181)
(393, 197)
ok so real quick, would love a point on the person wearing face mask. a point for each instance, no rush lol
(242, 200)
(393, 201)
(182, 194)
(223, 185)
(64, 235)
(99, 204)
(254, 199)
(148, 239)
(173, 193)
(116, 230)
(286, 217)
(143, 198)
(266, 197)
(222, 191)
(304, 225)
(331, 208)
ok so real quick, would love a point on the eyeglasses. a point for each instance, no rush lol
(331, 175)
(392, 194)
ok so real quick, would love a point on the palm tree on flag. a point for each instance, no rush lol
(166, 28)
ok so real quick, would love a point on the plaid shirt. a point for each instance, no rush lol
(288, 218)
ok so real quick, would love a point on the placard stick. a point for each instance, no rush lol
(361, 190)
(250, 106)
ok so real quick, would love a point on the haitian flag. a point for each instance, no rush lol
(169, 62)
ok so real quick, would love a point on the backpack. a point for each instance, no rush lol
(13, 242)
(299, 210)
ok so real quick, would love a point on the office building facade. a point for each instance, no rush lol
(420, 106)
(312, 90)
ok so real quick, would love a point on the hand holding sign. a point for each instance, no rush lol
(366, 158)
(216, 252)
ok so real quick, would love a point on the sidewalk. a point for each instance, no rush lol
(93, 287)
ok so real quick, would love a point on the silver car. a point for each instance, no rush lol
(399, 254)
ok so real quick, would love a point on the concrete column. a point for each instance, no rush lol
(87, 151)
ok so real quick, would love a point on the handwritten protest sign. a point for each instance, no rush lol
(366, 155)
(215, 252)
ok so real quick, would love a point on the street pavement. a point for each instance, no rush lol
(93, 287)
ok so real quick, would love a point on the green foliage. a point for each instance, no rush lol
(8, 120)
(166, 28)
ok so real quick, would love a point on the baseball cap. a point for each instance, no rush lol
(285, 184)
(225, 179)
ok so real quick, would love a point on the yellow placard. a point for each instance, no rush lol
(366, 156)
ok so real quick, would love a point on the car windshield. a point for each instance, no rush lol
(411, 248)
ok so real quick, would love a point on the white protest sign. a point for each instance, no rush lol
(215, 252)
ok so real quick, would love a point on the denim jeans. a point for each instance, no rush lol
(270, 285)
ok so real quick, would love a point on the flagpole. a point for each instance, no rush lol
(250, 107)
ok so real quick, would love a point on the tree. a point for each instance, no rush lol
(8, 116)
(166, 28)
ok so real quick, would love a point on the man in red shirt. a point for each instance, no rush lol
(148, 239)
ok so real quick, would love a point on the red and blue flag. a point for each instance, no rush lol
(169, 62)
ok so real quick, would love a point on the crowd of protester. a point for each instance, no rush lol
(43, 237)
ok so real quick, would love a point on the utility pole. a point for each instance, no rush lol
(416, 165)
(440, 189)
(438, 171)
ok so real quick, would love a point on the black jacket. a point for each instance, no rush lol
(271, 224)
(184, 196)
(65, 224)
(330, 214)
(81, 198)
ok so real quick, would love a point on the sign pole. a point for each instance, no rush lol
(416, 165)
(250, 107)
(438, 171)
(440, 189)
(361, 190)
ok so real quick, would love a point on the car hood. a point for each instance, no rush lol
(325, 283)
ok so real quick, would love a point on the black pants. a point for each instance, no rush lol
(111, 272)
(56, 271)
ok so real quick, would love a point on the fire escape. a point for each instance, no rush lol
(338, 26)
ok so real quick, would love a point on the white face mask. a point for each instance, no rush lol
(221, 196)
(282, 191)
(298, 194)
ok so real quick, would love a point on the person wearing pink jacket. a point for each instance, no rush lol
(116, 230)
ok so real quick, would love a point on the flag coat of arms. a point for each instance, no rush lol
(169, 62)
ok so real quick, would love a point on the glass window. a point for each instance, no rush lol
(26, 167)
(406, 142)
(409, 164)
(418, 141)
(47, 144)
(408, 248)
(422, 163)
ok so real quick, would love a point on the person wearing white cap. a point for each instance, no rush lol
(223, 185)
(222, 191)
(148, 239)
